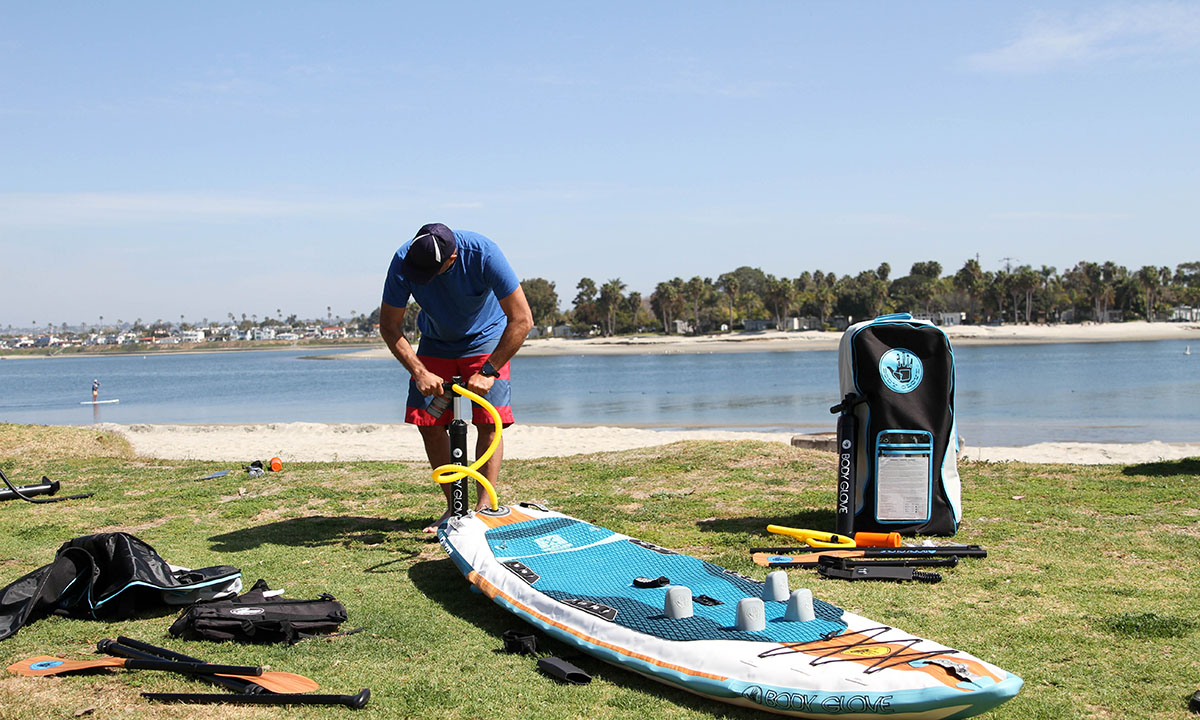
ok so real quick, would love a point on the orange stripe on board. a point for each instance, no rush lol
(492, 591)
(493, 521)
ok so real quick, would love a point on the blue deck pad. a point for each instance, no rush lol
(576, 561)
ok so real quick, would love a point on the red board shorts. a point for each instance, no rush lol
(499, 396)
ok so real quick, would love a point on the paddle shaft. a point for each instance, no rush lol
(903, 550)
(356, 702)
(276, 682)
(196, 668)
(127, 647)
(810, 559)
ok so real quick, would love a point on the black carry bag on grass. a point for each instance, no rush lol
(260, 616)
(897, 439)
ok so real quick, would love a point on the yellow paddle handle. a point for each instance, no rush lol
(451, 472)
(814, 538)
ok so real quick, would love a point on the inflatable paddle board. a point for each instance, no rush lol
(98, 402)
(576, 582)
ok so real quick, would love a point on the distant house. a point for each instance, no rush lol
(192, 336)
(756, 325)
(682, 327)
(287, 336)
(562, 331)
(944, 319)
(839, 322)
(1184, 313)
(802, 323)
(333, 331)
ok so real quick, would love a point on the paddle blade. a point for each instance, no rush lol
(44, 665)
(279, 682)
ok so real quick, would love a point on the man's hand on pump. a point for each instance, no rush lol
(480, 384)
(429, 384)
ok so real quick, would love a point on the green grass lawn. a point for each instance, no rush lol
(1089, 592)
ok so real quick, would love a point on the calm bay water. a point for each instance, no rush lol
(1010, 395)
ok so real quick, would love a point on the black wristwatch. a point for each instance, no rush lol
(489, 370)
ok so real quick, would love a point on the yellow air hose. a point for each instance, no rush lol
(451, 472)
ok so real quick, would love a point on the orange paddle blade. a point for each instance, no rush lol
(279, 682)
(43, 665)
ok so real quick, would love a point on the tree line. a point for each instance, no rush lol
(1101, 292)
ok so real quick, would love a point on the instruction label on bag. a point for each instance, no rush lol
(903, 476)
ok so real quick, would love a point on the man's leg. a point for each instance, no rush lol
(437, 449)
(491, 468)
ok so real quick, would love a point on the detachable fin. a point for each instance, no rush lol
(562, 670)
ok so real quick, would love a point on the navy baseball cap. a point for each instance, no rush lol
(433, 245)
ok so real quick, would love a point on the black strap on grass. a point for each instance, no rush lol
(519, 643)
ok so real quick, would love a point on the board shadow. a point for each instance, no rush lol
(441, 582)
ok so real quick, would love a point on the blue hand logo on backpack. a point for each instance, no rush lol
(901, 370)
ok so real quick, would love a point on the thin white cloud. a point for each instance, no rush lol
(876, 220)
(67, 209)
(1138, 32)
(1056, 215)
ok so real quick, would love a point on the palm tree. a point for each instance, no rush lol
(780, 294)
(611, 293)
(1025, 281)
(728, 282)
(969, 281)
(695, 290)
(1148, 278)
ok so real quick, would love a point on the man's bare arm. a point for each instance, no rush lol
(520, 322)
(391, 327)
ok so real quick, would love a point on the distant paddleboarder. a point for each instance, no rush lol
(95, 389)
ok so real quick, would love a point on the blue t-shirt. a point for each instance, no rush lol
(460, 309)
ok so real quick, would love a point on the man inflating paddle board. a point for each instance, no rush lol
(474, 317)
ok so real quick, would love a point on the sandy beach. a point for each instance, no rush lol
(325, 442)
(776, 341)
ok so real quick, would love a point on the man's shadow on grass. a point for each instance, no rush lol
(756, 527)
(1165, 468)
(315, 531)
(441, 582)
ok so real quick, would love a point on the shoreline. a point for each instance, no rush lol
(242, 443)
(800, 341)
(746, 342)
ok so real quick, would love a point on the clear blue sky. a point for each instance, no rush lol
(166, 159)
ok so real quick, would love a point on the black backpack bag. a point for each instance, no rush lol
(260, 616)
(897, 435)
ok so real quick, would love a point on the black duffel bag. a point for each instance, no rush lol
(260, 616)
